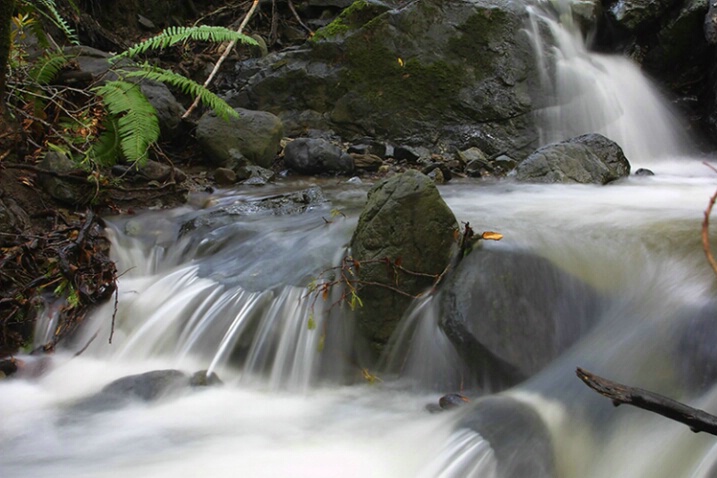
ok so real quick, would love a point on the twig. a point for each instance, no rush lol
(298, 18)
(224, 56)
(114, 314)
(706, 225)
(697, 420)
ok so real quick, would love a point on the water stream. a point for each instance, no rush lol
(231, 296)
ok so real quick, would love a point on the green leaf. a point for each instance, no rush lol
(173, 35)
(312, 322)
(186, 85)
(105, 150)
(50, 11)
(137, 123)
(47, 67)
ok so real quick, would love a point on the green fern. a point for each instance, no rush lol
(50, 11)
(173, 35)
(103, 151)
(186, 85)
(47, 67)
(137, 123)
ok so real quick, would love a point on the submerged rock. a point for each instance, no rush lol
(144, 387)
(521, 442)
(510, 313)
(587, 159)
(405, 223)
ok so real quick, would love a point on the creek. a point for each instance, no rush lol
(231, 296)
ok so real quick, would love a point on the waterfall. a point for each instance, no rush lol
(203, 287)
(598, 93)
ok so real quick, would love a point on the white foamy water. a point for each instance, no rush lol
(296, 401)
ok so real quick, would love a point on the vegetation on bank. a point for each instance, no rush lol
(62, 262)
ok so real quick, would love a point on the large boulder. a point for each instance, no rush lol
(587, 159)
(457, 73)
(254, 136)
(510, 313)
(405, 225)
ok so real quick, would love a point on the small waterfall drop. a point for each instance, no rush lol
(599, 93)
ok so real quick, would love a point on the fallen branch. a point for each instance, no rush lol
(224, 56)
(697, 420)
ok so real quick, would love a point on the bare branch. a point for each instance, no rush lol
(697, 420)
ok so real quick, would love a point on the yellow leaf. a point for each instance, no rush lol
(401, 63)
(492, 236)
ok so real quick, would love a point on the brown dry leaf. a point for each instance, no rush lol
(26, 181)
(492, 236)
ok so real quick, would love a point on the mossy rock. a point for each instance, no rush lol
(450, 73)
(405, 222)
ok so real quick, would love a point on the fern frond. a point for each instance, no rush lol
(186, 85)
(173, 35)
(47, 67)
(137, 123)
(105, 150)
(50, 11)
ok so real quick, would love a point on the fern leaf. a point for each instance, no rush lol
(173, 35)
(186, 85)
(47, 67)
(105, 150)
(137, 123)
(50, 11)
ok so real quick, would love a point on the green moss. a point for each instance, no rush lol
(351, 18)
(399, 83)
(474, 44)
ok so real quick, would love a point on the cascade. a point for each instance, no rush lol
(232, 298)
(596, 93)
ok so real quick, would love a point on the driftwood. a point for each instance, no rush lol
(697, 420)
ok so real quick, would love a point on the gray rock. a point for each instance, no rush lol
(144, 387)
(317, 156)
(255, 135)
(148, 386)
(70, 190)
(225, 176)
(527, 454)
(366, 162)
(13, 219)
(255, 175)
(296, 202)
(586, 159)
(406, 220)
(458, 74)
(169, 110)
(511, 313)
(638, 14)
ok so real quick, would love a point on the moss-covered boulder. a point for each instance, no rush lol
(455, 73)
(254, 136)
(405, 226)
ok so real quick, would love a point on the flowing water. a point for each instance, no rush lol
(231, 296)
